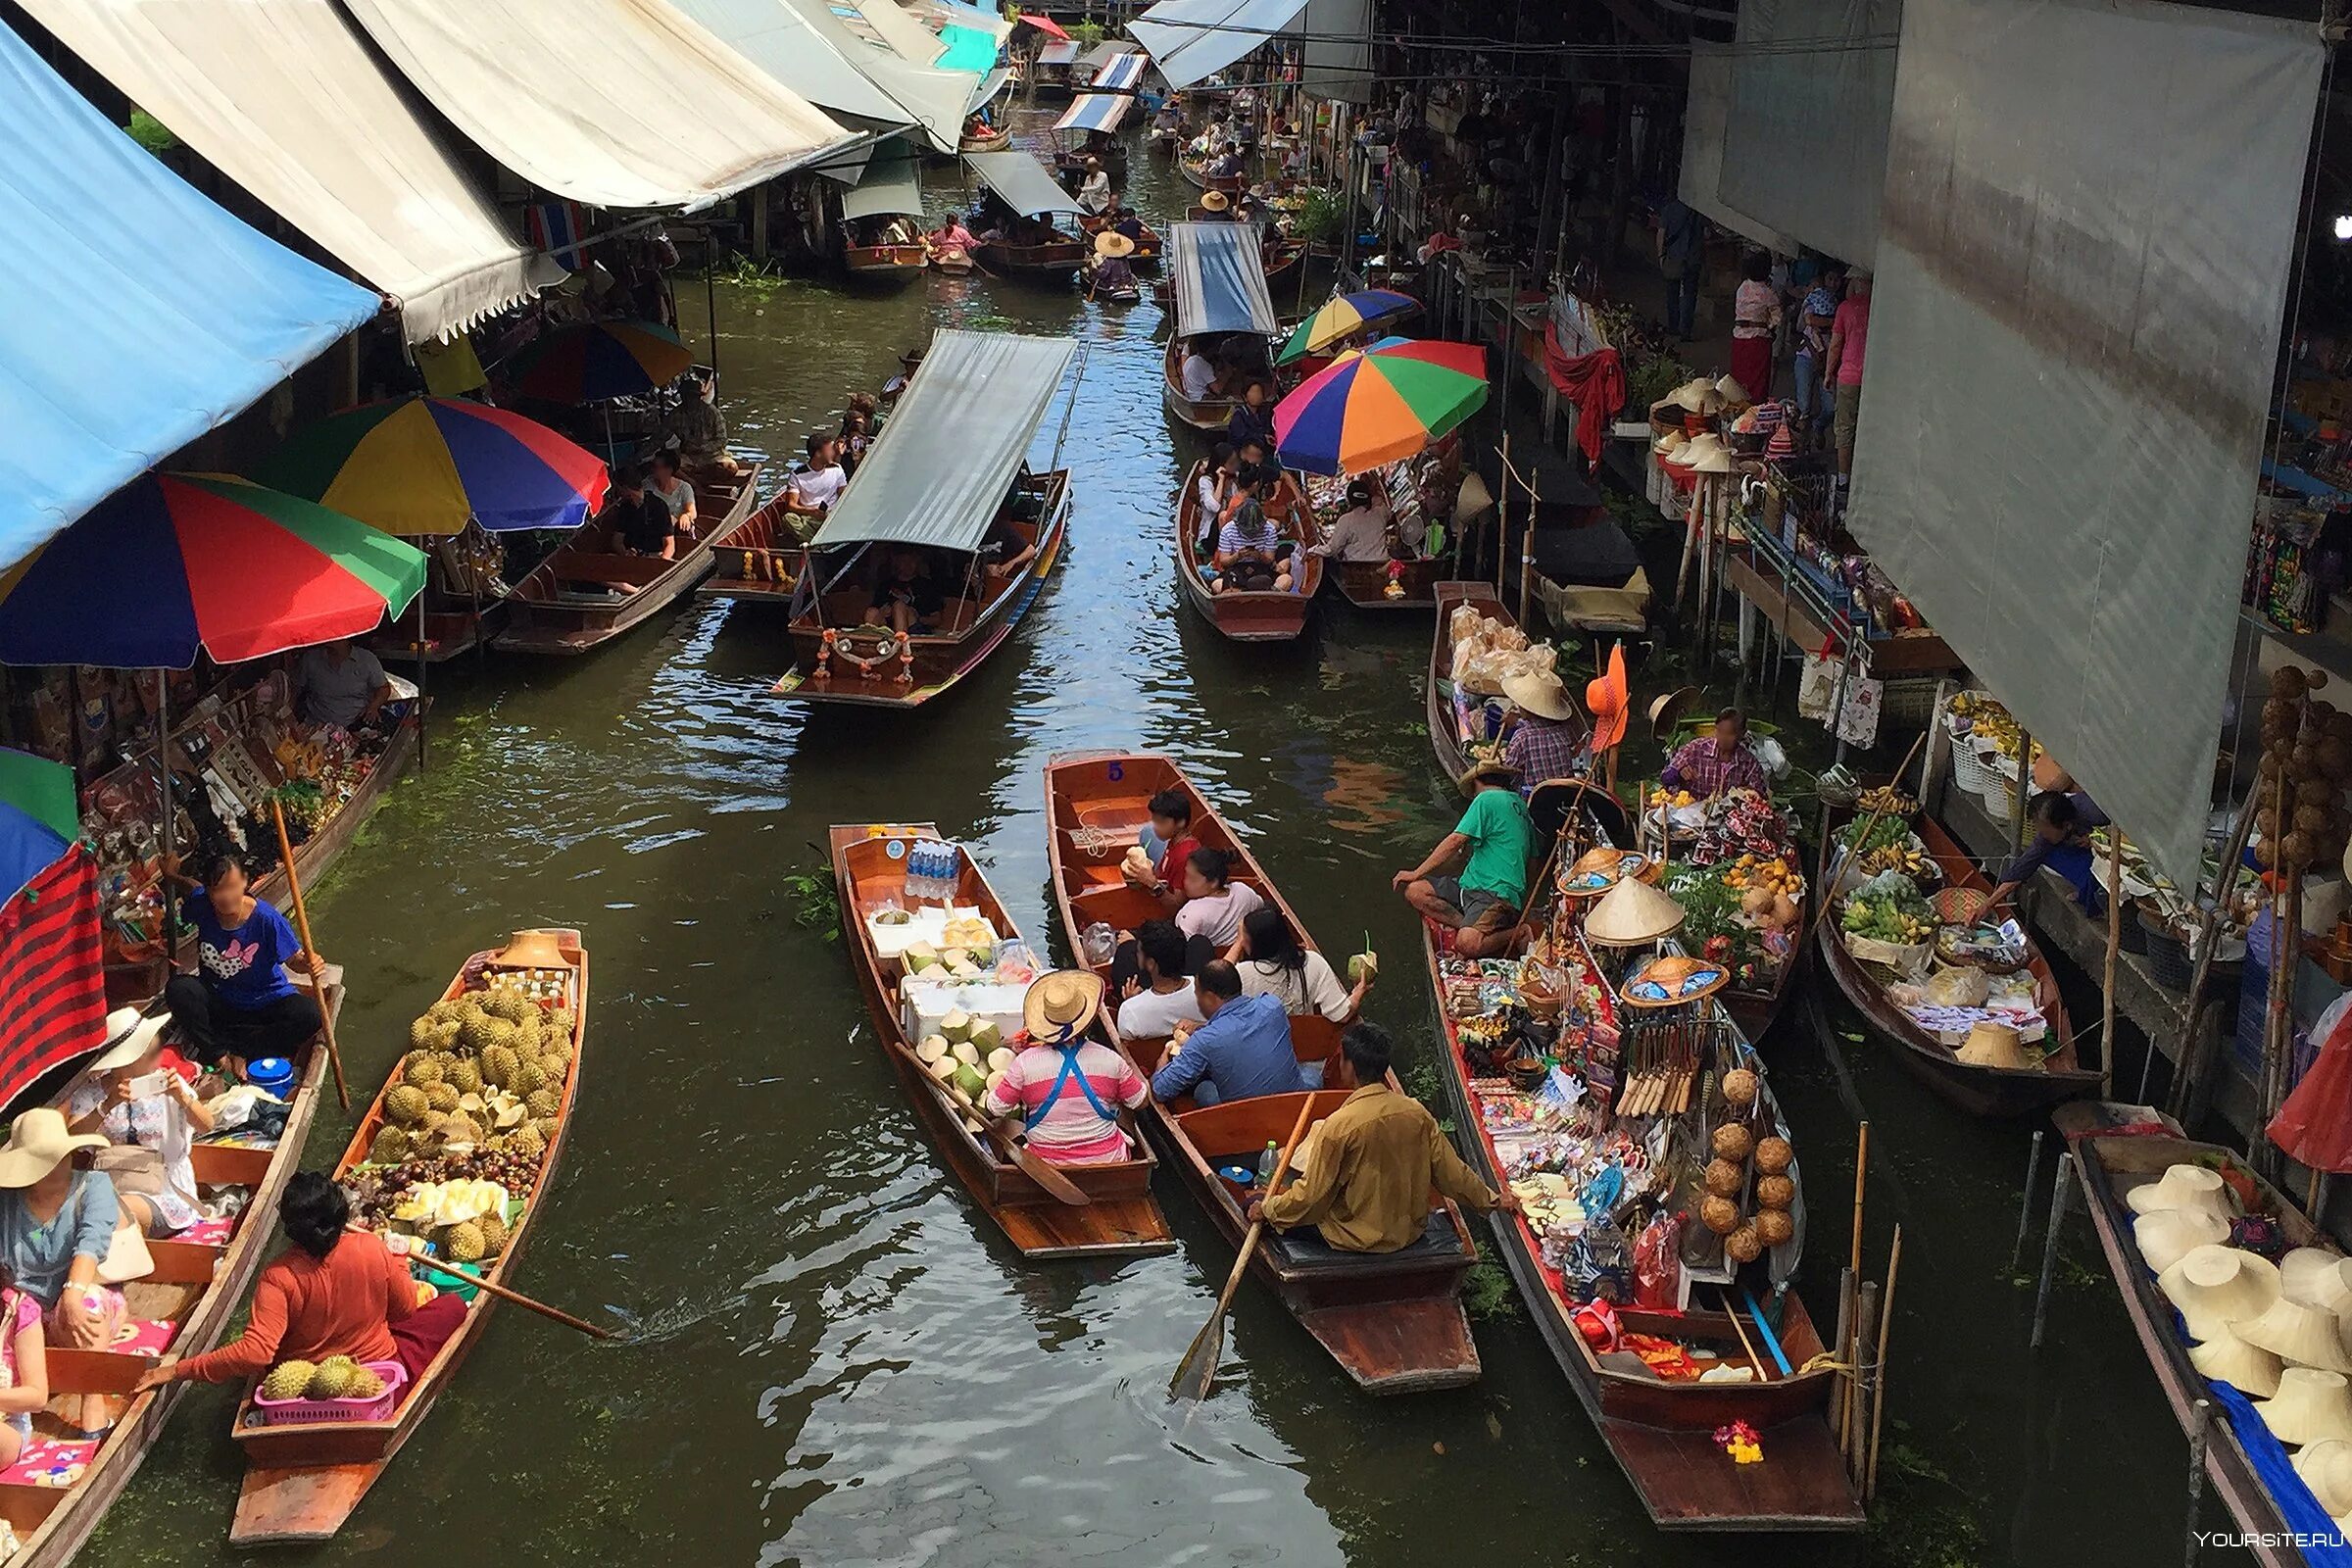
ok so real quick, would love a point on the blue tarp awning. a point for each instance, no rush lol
(1121, 74)
(1095, 111)
(139, 315)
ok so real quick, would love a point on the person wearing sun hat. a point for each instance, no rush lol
(57, 1227)
(1547, 735)
(1494, 839)
(1094, 191)
(1113, 273)
(129, 1097)
(1066, 1087)
(1215, 203)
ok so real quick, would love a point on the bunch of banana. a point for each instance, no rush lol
(1887, 801)
(1903, 857)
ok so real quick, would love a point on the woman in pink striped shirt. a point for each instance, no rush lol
(1068, 1090)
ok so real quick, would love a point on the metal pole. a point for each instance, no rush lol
(421, 666)
(711, 293)
(2024, 789)
(163, 764)
(2200, 1420)
(2025, 1207)
(1503, 518)
(2059, 1190)
(1526, 548)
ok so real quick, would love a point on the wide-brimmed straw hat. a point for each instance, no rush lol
(2168, 1235)
(2298, 1334)
(1702, 446)
(2184, 1187)
(1992, 1045)
(129, 1038)
(1715, 461)
(1669, 444)
(1093, 163)
(1631, 915)
(1690, 397)
(2325, 1467)
(1608, 697)
(1111, 242)
(1214, 200)
(1060, 1005)
(2214, 1286)
(1539, 691)
(1666, 710)
(2226, 1358)
(37, 1142)
(1732, 393)
(2311, 1407)
(1494, 769)
(1673, 981)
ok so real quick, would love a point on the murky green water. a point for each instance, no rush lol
(842, 1365)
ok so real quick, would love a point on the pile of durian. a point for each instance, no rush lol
(338, 1377)
(486, 1071)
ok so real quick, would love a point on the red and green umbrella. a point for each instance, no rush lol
(590, 362)
(1343, 316)
(180, 563)
(39, 817)
(423, 466)
(1389, 402)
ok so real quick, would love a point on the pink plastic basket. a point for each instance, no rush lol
(291, 1412)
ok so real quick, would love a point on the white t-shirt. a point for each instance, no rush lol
(1199, 376)
(677, 498)
(1314, 988)
(1150, 1016)
(1219, 916)
(819, 487)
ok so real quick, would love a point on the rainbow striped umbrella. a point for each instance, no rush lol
(1342, 316)
(589, 362)
(39, 819)
(423, 466)
(1389, 402)
(180, 563)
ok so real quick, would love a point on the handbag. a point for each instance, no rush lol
(133, 1168)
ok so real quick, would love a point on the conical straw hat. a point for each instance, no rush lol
(2317, 1278)
(1701, 447)
(2196, 1186)
(2326, 1469)
(1632, 913)
(2214, 1286)
(2303, 1336)
(2226, 1358)
(2310, 1407)
(532, 949)
(2165, 1237)
(1732, 392)
(1992, 1045)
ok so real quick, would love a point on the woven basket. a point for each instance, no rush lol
(1960, 906)
(1971, 774)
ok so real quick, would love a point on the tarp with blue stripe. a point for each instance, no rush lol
(1122, 74)
(1095, 111)
(1220, 279)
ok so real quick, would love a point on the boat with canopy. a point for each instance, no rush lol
(1021, 184)
(1219, 286)
(885, 193)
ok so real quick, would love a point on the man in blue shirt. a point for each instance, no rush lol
(1243, 1051)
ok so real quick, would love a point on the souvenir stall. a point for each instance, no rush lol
(1733, 864)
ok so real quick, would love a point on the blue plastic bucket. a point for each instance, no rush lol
(273, 1075)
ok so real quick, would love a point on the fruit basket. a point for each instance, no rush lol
(294, 1412)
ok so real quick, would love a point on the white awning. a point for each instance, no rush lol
(1022, 181)
(894, 28)
(1104, 112)
(936, 100)
(847, 166)
(1337, 56)
(1107, 50)
(626, 103)
(888, 186)
(1060, 52)
(284, 97)
(1195, 39)
(995, 82)
(773, 36)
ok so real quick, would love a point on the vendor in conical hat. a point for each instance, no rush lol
(1065, 1084)
(1493, 841)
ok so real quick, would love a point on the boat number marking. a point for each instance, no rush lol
(1118, 771)
(897, 850)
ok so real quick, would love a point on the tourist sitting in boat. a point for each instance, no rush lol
(335, 1292)
(1251, 555)
(1375, 1161)
(1112, 274)
(1129, 225)
(1201, 380)
(1240, 1051)
(150, 1116)
(1094, 191)
(907, 599)
(238, 1005)
(1548, 736)
(950, 239)
(1215, 904)
(856, 434)
(1167, 843)
(1271, 962)
(666, 484)
(1007, 551)
(2062, 843)
(58, 1226)
(1251, 420)
(1212, 487)
(1158, 1000)
(812, 491)
(1068, 1088)
(23, 1368)
(1495, 838)
(1718, 761)
(340, 685)
(1216, 208)
(1363, 532)
(696, 427)
(1228, 162)
(636, 522)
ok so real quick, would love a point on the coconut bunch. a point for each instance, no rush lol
(2306, 763)
(1764, 1221)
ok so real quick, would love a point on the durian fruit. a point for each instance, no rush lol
(527, 1080)
(288, 1380)
(498, 1066)
(509, 1004)
(542, 1103)
(441, 1097)
(545, 1127)
(445, 1059)
(458, 1128)
(421, 1034)
(559, 1021)
(465, 1077)
(475, 1031)
(462, 1243)
(422, 1070)
(332, 1379)
(406, 1105)
(364, 1385)
(445, 1037)
(446, 1010)
(389, 1147)
(494, 1235)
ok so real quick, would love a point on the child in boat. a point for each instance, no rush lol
(24, 1367)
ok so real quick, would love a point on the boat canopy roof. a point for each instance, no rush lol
(941, 468)
(888, 185)
(1121, 72)
(1095, 110)
(1022, 181)
(1060, 52)
(1220, 279)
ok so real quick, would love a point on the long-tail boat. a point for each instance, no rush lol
(61, 1485)
(948, 463)
(1394, 1321)
(304, 1480)
(886, 264)
(1981, 1091)
(1149, 246)
(1254, 616)
(585, 594)
(1123, 1218)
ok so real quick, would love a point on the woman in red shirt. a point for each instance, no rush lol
(336, 1292)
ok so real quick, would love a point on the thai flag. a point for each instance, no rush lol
(556, 228)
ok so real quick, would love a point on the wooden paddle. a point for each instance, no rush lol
(517, 1297)
(1056, 1183)
(1198, 1373)
(309, 953)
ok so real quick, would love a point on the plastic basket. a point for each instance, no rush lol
(292, 1412)
(1971, 772)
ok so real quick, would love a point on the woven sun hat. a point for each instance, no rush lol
(2168, 1236)
(2197, 1187)
(2226, 1358)
(1732, 393)
(2325, 1467)
(1667, 445)
(1214, 200)
(1599, 870)
(1631, 915)
(2298, 1334)
(531, 950)
(129, 1037)
(1715, 461)
(1059, 1007)
(2311, 1407)
(2214, 1286)
(1992, 1045)
(2318, 1278)
(37, 1142)
(1701, 447)
(1672, 981)
(1541, 693)
(1492, 769)
(1111, 242)
(1690, 397)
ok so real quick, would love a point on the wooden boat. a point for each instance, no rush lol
(992, 141)
(1195, 171)
(583, 596)
(303, 1481)
(885, 263)
(1364, 584)
(314, 855)
(1071, 166)
(2110, 1167)
(452, 629)
(972, 628)
(1662, 1432)
(1269, 616)
(1979, 1091)
(1164, 143)
(1124, 1220)
(1148, 248)
(1209, 415)
(1054, 262)
(197, 1288)
(1281, 254)
(1394, 1321)
(761, 558)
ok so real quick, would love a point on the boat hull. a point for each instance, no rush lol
(316, 853)
(1271, 615)
(888, 265)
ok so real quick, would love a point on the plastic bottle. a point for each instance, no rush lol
(1267, 1163)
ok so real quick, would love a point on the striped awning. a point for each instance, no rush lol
(1123, 74)
(1095, 110)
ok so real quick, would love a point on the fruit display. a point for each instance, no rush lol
(1885, 919)
(338, 1377)
(1887, 832)
(1885, 800)
(1677, 798)
(1910, 857)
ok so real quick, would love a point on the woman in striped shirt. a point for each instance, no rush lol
(1068, 1090)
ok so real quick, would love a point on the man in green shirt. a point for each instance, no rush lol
(1481, 905)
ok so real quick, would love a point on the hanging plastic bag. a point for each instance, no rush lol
(1657, 1267)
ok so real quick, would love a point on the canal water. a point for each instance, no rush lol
(833, 1360)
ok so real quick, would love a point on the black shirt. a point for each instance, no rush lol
(643, 525)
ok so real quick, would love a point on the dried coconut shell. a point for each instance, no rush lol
(2314, 820)
(2314, 791)
(1776, 1227)
(1745, 1244)
(2299, 848)
(1720, 1215)
(1734, 1142)
(1739, 1087)
(1774, 1155)
(2287, 682)
(1775, 1192)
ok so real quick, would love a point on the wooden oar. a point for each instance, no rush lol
(1198, 1373)
(309, 951)
(1056, 1183)
(517, 1297)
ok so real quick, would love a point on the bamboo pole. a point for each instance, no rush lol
(1526, 548)
(1502, 519)
(309, 953)
(2025, 1209)
(2189, 1054)
(2115, 946)
(2200, 1421)
(1877, 1404)
(2024, 793)
(1847, 1349)
(1864, 1379)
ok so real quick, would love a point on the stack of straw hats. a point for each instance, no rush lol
(2187, 1207)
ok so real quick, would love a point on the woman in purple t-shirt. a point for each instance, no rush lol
(238, 1005)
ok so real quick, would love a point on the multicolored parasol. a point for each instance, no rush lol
(423, 466)
(589, 362)
(1389, 402)
(1343, 316)
(180, 563)
(39, 818)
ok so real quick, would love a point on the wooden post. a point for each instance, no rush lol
(1849, 1350)
(1930, 773)
(2200, 1419)
(1503, 518)
(1864, 1381)
(1527, 551)
(1878, 1401)
(2188, 1054)
(2277, 1019)
(2025, 1209)
(162, 767)
(2115, 946)
(2060, 1189)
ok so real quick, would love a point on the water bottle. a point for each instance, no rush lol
(919, 870)
(1267, 1163)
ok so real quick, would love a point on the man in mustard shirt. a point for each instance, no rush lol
(1374, 1164)
(1481, 906)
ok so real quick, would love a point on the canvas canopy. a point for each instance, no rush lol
(888, 186)
(1220, 279)
(995, 82)
(139, 315)
(1095, 110)
(775, 37)
(1060, 52)
(629, 103)
(943, 464)
(1336, 58)
(936, 100)
(1121, 71)
(268, 91)
(1022, 181)
(1195, 39)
